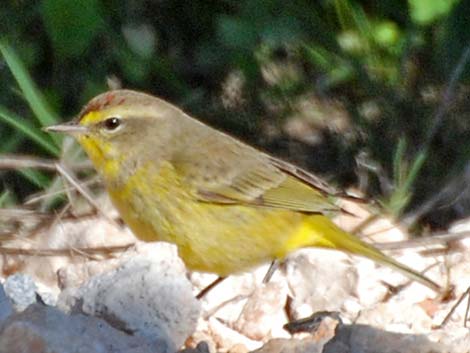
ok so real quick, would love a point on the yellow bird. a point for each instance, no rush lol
(227, 206)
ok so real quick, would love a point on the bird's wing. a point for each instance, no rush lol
(234, 173)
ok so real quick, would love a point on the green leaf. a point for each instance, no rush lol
(386, 33)
(424, 12)
(38, 104)
(29, 130)
(72, 25)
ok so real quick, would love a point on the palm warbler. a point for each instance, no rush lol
(227, 206)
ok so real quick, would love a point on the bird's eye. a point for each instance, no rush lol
(112, 123)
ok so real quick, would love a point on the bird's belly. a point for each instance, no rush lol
(221, 239)
(231, 239)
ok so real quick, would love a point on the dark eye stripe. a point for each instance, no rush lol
(112, 123)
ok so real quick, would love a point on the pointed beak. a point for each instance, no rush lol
(68, 128)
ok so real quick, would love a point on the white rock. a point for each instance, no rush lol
(396, 316)
(75, 274)
(148, 298)
(21, 290)
(263, 311)
(321, 279)
(457, 338)
(227, 299)
(226, 337)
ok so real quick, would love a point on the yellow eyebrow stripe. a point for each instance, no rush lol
(90, 118)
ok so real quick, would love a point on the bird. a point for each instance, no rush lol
(227, 206)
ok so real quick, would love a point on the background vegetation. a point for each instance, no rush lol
(367, 93)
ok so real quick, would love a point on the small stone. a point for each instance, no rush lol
(321, 325)
(319, 280)
(21, 290)
(225, 337)
(238, 348)
(263, 311)
(201, 347)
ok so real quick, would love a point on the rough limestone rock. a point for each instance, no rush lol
(153, 299)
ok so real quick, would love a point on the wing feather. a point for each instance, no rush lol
(235, 173)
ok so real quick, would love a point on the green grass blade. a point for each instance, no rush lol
(414, 171)
(5, 197)
(398, 160)
(30, 131)
(36, 177)
(32, 95)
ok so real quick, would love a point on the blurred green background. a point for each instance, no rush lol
(371, 94)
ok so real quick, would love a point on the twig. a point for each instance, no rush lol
(8, 161)
(85, 252)
(272, 268)
(394, 290)
(237, 298)
(436, 124)
(14, 213)
(454, 307)
(209, 287)
(40, 196)
(453, 191)
(82, 190)
(447, 97)
(425, 241)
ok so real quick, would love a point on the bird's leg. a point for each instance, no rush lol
(267, 277)
(272, 268)
(206, 290)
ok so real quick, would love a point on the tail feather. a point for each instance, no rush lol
(327, 234)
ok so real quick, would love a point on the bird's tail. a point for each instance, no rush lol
(320, 231)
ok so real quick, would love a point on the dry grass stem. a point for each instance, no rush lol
(437, 239)
(21, 162)
(85, 252)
